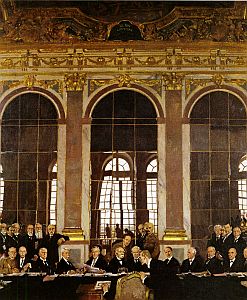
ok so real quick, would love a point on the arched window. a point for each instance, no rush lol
(1, 191)
(116, 197)
(123, 138)
(242, 188)
(53, 199)
(152, 206)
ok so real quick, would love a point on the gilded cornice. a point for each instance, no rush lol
(31, 81)
(128, 59)
(217, 79)
(125, 80)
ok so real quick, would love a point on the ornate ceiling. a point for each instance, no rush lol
(80, 21)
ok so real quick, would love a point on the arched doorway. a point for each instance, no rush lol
(123, 142)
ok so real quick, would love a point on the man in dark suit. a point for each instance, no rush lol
(171, 264)
(117, 262)
(22, 260)
(244, 266)
(17, 236)
(157, 278)
(192, 263)
(227, 241)
(97, 260)
(5, 240)
(233, 263)
(216, 239)
(28, 240)
(51, 242)
(239, 242)
(134, 263)
(64, 266)
(42, 264)
(213, 265)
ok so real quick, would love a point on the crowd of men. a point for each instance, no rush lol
(33, 250)
(37, 251)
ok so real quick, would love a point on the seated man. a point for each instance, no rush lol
(244, 265)
(233, 263)
(117, 262)
(134, 263)
(9, 265)
(213, 265)
(171, 264)
(22, 260)
(192, 263)
(41, 264)
(97, 260)
(64, 266)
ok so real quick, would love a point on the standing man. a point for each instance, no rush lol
(28, 240)
(51, 242)
(151, 242)
(239, 242)
(126, 243)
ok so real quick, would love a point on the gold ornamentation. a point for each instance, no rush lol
(30, 81)
(124, 80)
(74, 234)
(175, 235)
(217, 79)
(173, 81)
(74, 81)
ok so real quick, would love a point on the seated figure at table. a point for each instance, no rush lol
(97, 260)
(117, 262)
(192, 263)
(233, 263)
(64, 266)
(171, 264)
(9, 265)
(42, 264)
(244, 265)
(134, 263)
(22, 260)
(213, 265)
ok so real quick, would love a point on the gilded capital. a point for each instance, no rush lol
(74, 81)
(173, 81)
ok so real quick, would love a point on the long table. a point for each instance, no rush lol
(189, 287)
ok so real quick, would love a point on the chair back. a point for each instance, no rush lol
(130, 287)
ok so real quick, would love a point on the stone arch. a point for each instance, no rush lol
(112, 88)
(6, 99)
(241, 94)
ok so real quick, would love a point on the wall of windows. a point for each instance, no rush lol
(123, 143)
(28, 148)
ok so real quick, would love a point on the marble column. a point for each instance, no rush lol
(73, 167)
(174, 167)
